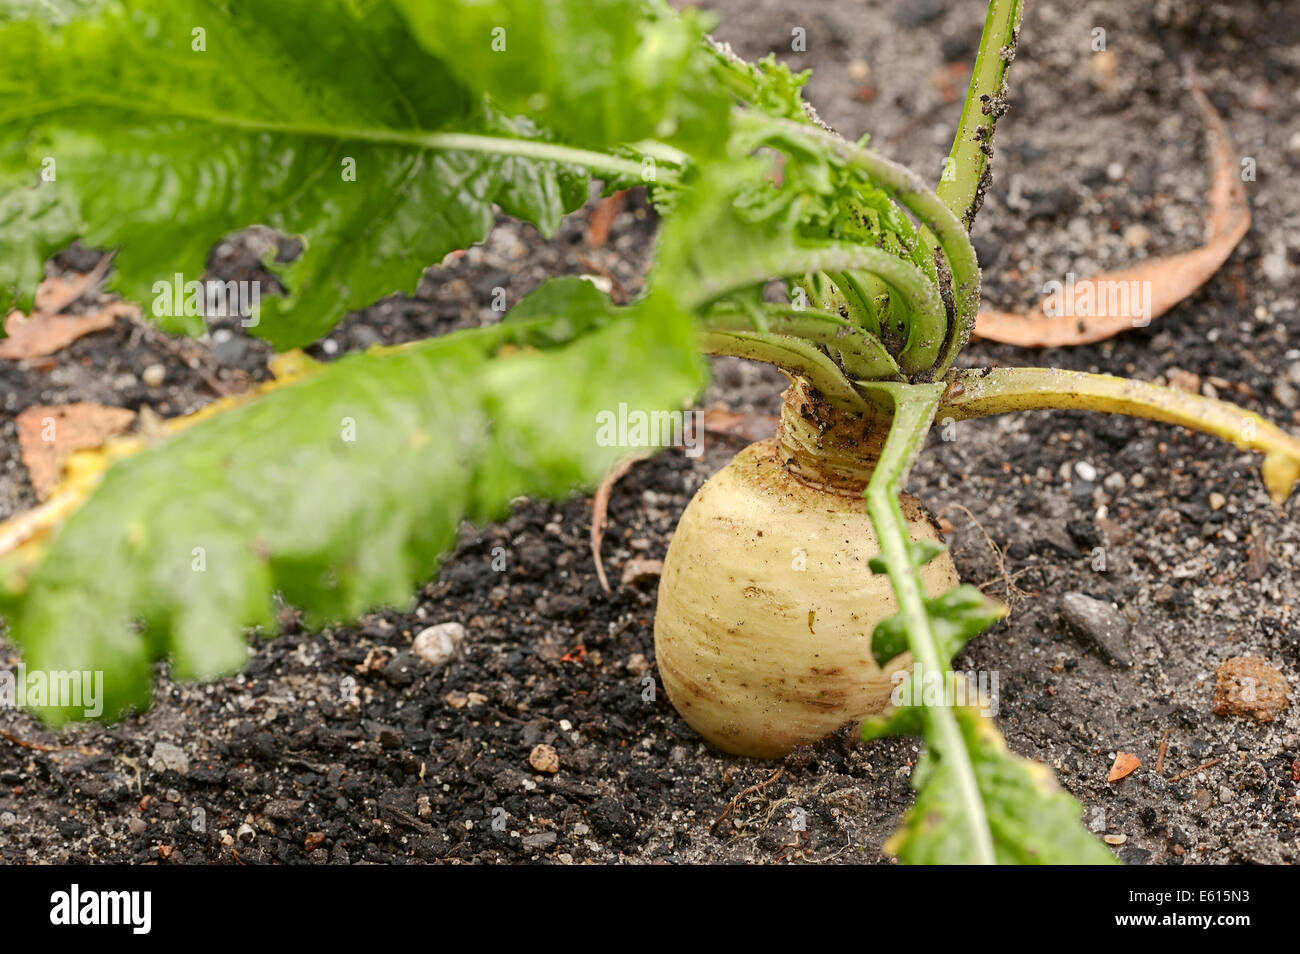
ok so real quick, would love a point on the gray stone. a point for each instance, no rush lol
(168, 757)
(1099, 626)
(542, 839)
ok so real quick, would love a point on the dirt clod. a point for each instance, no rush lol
(1250, 688)
(544, 758)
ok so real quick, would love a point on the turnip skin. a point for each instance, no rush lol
(757, 655)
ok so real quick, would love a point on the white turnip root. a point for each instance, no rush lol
(766, 603)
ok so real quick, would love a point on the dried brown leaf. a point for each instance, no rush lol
(48, 434)
(44, 333)
(600, 512)
(1172, 278)
(1126, 763)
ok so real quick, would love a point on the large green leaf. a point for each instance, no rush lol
(161, 125)
(1031, 820)
(598, 72)
(341, 491)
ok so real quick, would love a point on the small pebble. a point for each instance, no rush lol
(439, 644)
(1217, 501)
(1098, 625)
(169, 757)
(1137, 236)
(154, 375)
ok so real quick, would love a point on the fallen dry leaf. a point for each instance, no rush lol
(48, 434)
(600, 511)
(1101, 307)
(602, 218)
(43, 334)
(46, 331)
(55, 294)
(1125, 764)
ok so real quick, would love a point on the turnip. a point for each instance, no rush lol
(767, 605)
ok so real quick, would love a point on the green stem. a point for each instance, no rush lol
(860, 290)
(785, 261)
(963, 184)
(966, 173)
(792, 355)
(940, 223)
(863, 354)
(914, 409)
(984, 392)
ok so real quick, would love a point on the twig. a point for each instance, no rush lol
(39, 747)
(1192, 771)
(602, 218)
(194, 362)
(1160, 753)
(1007, 578)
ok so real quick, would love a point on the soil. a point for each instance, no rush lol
(1100, 162)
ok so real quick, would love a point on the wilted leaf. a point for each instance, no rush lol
(1112, 302)
(1126, 763)
(47, 435)
(43, 334)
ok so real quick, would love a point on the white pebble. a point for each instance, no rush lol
(154, 375)
(439, 644)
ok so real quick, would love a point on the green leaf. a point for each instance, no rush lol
(343, 490)
(920, 552)
(598, 72)
(1032, 821)
(732, 230)
(162, 125)
(956, 616)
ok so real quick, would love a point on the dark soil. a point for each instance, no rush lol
(342, 746)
